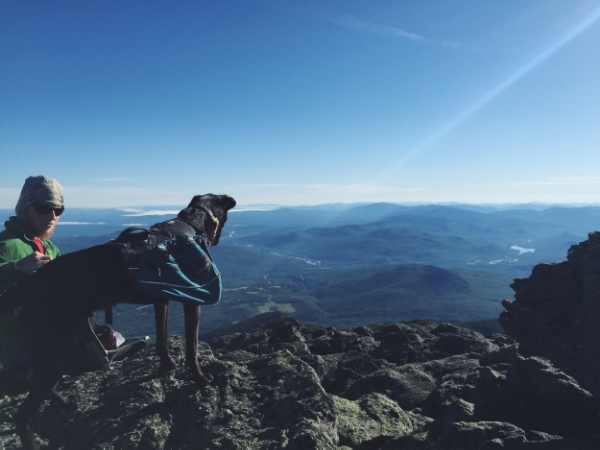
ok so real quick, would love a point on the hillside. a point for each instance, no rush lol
(348, 297)
(360, 245)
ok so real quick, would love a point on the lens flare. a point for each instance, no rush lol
(489, 96)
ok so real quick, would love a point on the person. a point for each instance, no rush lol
(25, 246)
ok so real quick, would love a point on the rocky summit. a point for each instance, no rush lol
(556, 313)
(280, 384)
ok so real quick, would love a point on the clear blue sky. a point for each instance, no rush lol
(302, 102)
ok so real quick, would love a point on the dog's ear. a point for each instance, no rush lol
(227, 202)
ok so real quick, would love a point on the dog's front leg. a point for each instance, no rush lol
(161, 315)
(192, 322)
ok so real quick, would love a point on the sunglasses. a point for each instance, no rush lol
(43, 210)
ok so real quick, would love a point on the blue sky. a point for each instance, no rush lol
(302, 102)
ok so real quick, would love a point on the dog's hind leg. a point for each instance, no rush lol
(161, 316)
(41, 389)
(192, 322)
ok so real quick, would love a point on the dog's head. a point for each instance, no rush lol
(201, 207)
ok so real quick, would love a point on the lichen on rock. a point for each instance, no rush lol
(281, 385)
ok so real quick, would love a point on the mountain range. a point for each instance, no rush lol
(346, 265)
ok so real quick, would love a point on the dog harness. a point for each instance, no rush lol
(171, 261)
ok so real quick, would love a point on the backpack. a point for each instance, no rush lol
(180, 269)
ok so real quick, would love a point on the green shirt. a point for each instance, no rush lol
(14, 245)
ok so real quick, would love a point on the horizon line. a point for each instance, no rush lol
(270, 207)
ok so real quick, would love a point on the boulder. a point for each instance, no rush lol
(556, 313)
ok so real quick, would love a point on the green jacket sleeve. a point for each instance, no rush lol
(8, 266)
(14, 246)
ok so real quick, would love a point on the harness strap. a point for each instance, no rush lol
(214, 218)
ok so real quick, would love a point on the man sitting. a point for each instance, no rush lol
(24, 247)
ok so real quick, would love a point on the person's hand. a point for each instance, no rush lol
(33, 262)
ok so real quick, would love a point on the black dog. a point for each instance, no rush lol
(65, 291)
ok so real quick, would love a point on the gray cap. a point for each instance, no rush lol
(40, 190)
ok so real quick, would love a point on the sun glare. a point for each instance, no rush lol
(489, 96)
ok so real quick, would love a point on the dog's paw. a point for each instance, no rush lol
(202, 380)
(69, 400)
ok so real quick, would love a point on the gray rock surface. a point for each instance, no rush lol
(556, 313)
(410, 385)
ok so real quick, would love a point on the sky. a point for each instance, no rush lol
(282, 102)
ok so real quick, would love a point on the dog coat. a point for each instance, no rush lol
(180, 269)
(171, 262)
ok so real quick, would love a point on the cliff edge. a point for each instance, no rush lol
(556, 313)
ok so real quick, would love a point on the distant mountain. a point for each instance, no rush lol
(341, 264)
(361, 245)
(398, 291)
(439, 235)
(344, 297)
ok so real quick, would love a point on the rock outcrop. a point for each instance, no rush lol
(411, 385)
(556, 313)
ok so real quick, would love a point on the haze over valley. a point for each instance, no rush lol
(350, 265)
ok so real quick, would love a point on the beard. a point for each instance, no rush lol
(33, 226)
(48, 232)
